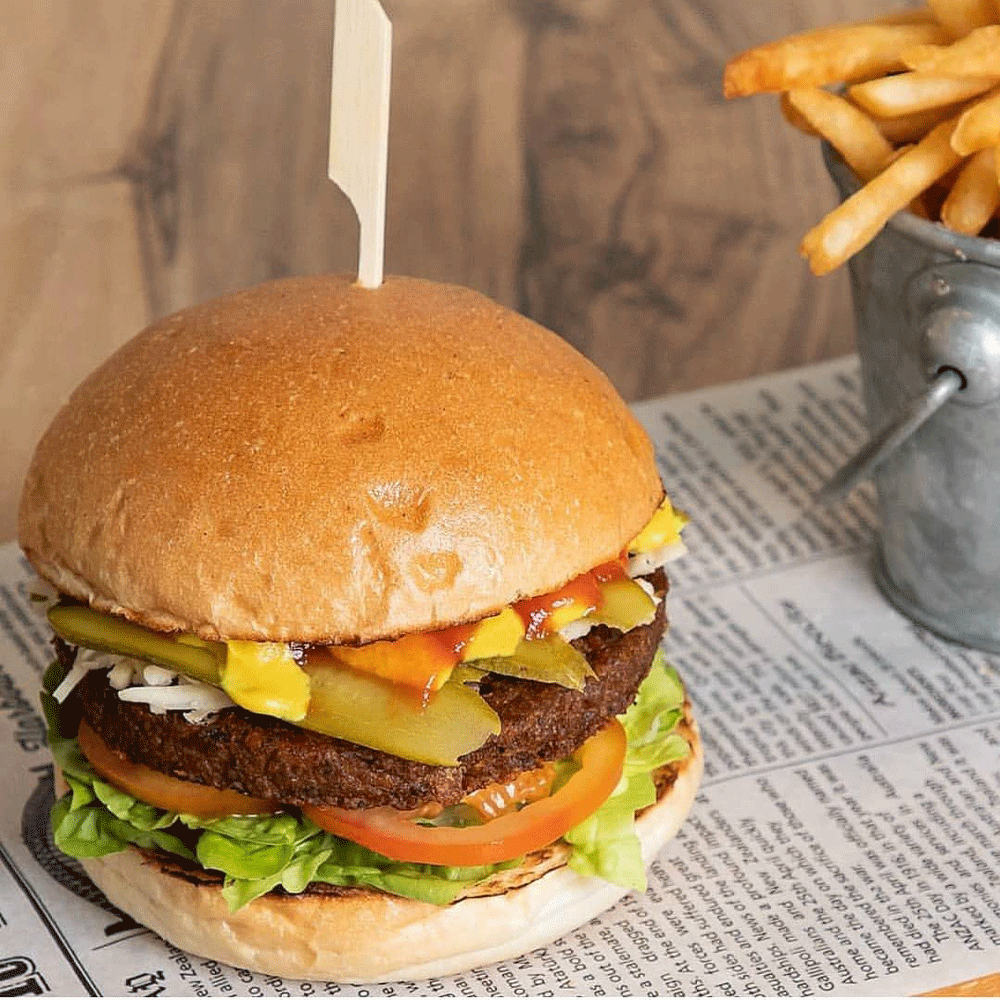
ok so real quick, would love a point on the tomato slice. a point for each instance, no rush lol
(500, 798)
(163, 791)
(395, 835)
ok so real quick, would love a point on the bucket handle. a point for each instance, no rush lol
(956, 305)
(917, 412)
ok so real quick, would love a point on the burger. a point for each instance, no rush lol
(357, 597)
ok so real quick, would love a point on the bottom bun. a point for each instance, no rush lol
(366, 936)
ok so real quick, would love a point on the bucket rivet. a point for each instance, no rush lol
(955, 306)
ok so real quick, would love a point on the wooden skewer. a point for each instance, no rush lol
(359, 123)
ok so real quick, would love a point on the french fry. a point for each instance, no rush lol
(856, 221)
(912, 15)
(975, 195)
(917, 206)
(918, 122)
(848, 129)
(977, 54)
(904, 129)
(843, 53)
(962, 16)
(794, 117)
(896, 154)
(907, 93)
(978, 126)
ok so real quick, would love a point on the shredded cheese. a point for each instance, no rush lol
(161, 689)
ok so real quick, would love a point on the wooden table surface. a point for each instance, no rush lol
(572, 158)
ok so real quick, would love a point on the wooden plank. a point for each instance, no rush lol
(71, 289)
(664, 222)
(574, 160)
(457, 209)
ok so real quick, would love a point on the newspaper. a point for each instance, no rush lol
(846, 839)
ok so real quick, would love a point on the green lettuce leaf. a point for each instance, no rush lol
(605, 845)
(281, 828)
(242, 860)
(130, 810)
(257, 854)
(92, 831)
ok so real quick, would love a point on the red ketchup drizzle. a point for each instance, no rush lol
(536, 612)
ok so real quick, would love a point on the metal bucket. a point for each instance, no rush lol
(927, 303)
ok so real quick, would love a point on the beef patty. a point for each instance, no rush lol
(269, 758)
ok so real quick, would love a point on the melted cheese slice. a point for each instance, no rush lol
(663, 529)
(497, 635)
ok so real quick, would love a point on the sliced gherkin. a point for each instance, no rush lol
(624, 605)
(342, 702)
(84, 626)
(551, 660)
(375, 713)
(466, 673)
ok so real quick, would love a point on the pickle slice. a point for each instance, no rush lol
(624, 605)
(551, 660)
(374, 713)
(82, 626)
(345, 703)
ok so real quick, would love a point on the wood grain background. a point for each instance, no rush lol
(572, 158)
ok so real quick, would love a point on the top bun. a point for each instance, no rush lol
(314, 461)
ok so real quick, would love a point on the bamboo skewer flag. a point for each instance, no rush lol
(359, 123)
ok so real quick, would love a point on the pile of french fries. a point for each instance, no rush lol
(911, 102)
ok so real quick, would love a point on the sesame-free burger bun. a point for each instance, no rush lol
(363, 936)
(313, 461)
